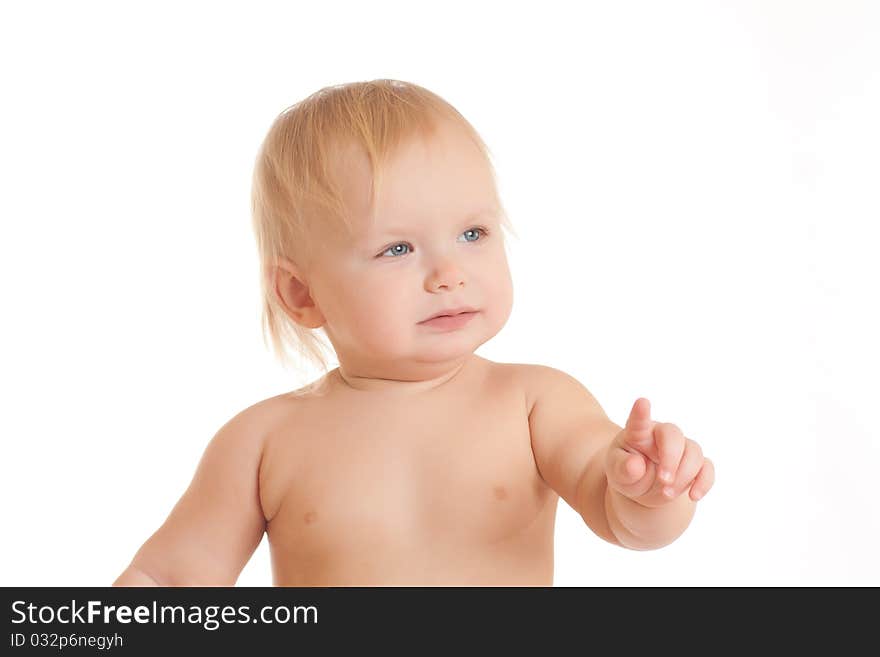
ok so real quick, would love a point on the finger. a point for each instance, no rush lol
(688, 468)
(670, 443)
(703, 481)
(625, 467)
(637, 433)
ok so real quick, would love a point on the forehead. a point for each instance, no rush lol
(427, 178)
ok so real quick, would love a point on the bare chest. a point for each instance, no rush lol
(381, 484)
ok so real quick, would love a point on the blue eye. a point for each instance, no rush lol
(475, 231)
(395, 249)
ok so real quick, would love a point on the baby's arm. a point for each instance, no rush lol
(569, 433)
(217, 524)
(628, 483)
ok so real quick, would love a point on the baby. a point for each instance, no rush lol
(415, 461)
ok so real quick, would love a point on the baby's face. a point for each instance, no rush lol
(436, 245)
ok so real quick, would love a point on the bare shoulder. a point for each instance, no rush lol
(269, 412)
(240, 440)
(537, 381)
(251, 424)
(244, 435)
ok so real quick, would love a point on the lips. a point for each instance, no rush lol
(450, 313)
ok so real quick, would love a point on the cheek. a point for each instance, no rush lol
(499, 280)
(380, 300)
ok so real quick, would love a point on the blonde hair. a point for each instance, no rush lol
(294, 195)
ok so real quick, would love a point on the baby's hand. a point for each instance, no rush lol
(652, 463)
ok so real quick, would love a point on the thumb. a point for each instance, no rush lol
(624, 468)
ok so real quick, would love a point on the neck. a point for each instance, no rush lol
(404, 382)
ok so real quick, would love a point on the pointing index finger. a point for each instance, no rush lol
(638, 432)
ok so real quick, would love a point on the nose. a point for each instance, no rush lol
(446, 274)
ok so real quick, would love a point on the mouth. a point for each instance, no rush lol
(446, 322)
(452, 312)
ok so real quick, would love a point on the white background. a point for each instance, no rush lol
(695, 189)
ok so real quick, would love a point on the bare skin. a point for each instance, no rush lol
(378, 488)
(453, 485)
(369, 487)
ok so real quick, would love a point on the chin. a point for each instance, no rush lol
(453, 346)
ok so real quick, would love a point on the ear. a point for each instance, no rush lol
(292, 291)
